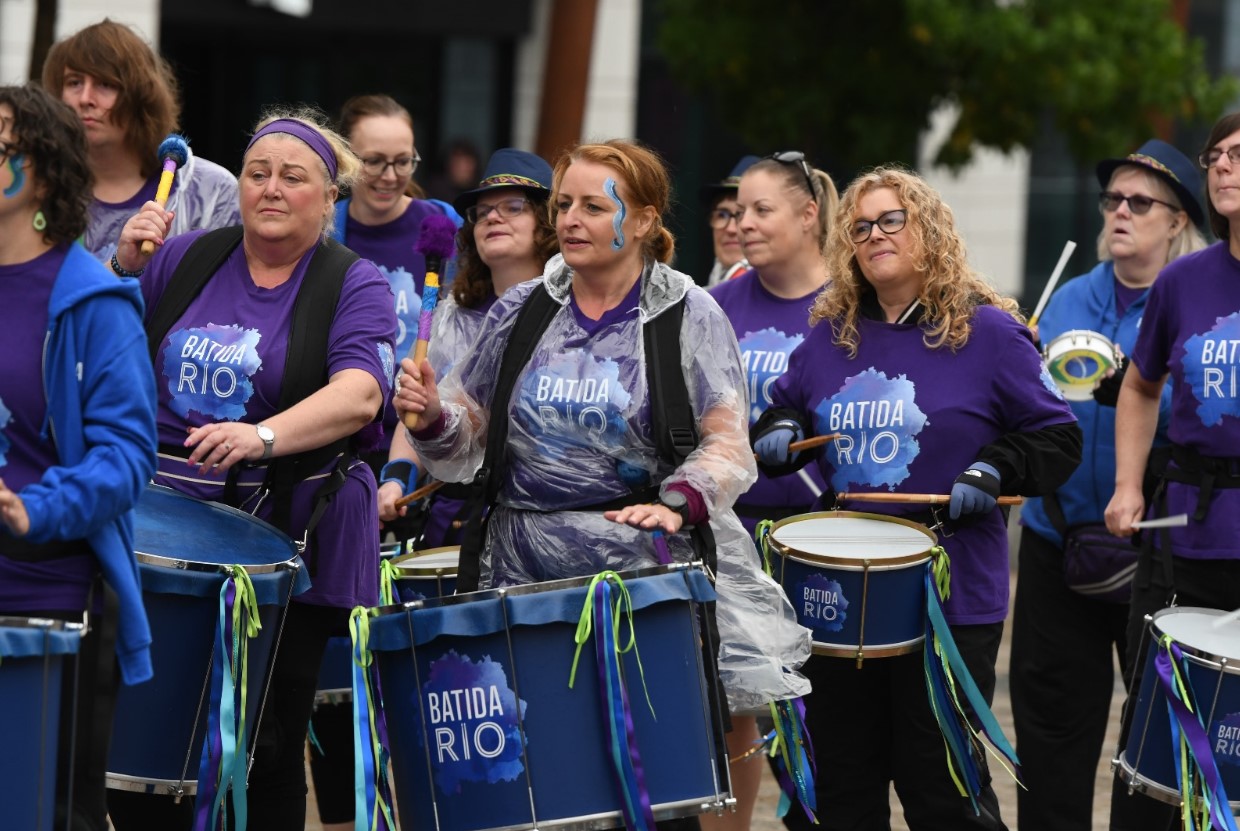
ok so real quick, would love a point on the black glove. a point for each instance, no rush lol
(1107, 391)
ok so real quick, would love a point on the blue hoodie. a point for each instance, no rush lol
(1088, 302)
(100, 392)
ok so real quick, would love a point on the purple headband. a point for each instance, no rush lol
(304, 132)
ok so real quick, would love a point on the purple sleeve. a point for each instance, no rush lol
(363, 333)
(1152, 353)
(1025, 397)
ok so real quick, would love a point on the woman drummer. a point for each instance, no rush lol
(934, 385)
(1061, 666)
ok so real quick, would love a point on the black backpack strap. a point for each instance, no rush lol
(532, 320)
(202, 259)
(1054, 512)
(675, 428)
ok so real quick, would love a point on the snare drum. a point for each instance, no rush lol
(486, 733)
(33, 652)
(1077, 360)
(1147, 761)
(185, 550)
(856, 580)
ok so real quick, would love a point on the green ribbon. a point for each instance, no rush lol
(388, 575)
(585, 627)
(762, 536)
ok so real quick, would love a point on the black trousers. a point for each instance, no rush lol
(873, 726)
(277, 787)
(1062, 680)
(1214, 584)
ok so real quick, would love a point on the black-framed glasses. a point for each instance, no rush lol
(720, 218)
(1209, 158)
(506, 208)
(797, 158)
(889, 222)
(1110, 200)
(376, 166)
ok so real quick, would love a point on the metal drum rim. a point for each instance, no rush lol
(880, 650)
(1130, 777)
(852, 563)
(178, 564)
(35, 622)
(1199, 656)
(410, 570)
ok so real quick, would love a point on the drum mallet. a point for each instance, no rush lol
(811, 442)
(1068, 248)
(425, 490)
(173, 152)
(437, 243)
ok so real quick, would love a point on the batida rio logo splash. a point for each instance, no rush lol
(408, 305)
(575, 399)
(472, 717)
(208, 370)
(765, 354)
(6, 416)
(878, 420)
(1212, 368)
(1226, 739)
(821, 603)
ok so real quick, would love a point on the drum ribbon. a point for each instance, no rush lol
(793, 754)
(371, 789)
(223, 761)
(661, 552)
(387, 582)
(762, 536)
(604, 616)
(1194, 761)
(946, 676)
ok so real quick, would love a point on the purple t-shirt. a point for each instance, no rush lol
(912, 419)
(223, 360)
(768, 329)
(59, 584)
(1191, 330)
(1125, 296)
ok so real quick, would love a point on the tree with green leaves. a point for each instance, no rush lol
(863, 78)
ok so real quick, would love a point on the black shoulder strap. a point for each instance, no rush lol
(203, 258)
(532, 320)
(675, 428)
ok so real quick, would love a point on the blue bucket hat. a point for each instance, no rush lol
(509, 167)
(727, 187)
(1169, 164)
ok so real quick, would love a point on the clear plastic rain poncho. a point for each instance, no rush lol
(580, 435)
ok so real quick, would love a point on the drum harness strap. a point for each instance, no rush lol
(313, 312)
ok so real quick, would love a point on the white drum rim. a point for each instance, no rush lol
(901, 561)
(414, 565)
(1083, 389)
(1228, 664)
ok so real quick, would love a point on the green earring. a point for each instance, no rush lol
(40, 221)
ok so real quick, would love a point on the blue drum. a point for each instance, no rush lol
(33, 652)
(856, 580)
(486, 733)
(186, 549)
(1147, 762)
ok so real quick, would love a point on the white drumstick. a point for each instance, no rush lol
(1220, 622)
(1174, 521)
(1068, 248)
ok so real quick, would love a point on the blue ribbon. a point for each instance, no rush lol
(794, 758)
(371, 790)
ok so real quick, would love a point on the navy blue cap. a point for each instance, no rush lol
(1170, 165)
(727, 187)
(509, 167)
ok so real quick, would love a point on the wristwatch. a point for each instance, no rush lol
(269, 439)
(676, 501)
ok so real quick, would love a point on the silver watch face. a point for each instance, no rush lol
(266, 433)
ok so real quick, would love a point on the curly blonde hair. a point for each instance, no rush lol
(950, 289)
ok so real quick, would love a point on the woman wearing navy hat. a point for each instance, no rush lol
(725, 224)
(507, 239)
(1188, 336)
(1062, 638)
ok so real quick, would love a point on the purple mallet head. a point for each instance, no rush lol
(436, 242)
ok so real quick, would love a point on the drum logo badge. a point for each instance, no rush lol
(822, 602)
(1227, 739)
(472, 722)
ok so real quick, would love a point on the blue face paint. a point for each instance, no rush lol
(19, 176)
(617, 221)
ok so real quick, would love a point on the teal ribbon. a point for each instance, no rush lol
(794, 758)
(371, 790)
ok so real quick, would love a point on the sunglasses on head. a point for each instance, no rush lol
(797, 158)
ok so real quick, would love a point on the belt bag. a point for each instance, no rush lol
(1098, 564)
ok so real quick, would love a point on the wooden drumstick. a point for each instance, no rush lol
(914, 498)
(811, 442)
(425, 490)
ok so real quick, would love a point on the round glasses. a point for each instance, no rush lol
(376, 166)
(507, 208)
(720, 218)
(1110, 200)
(889, 222)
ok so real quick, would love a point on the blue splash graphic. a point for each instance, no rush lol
(1225, 739)
(1212, 368)
(878, 420)
(19, 176)
(208, 369)
(472, 717)
(820, 603)
(408, 306)
(6, 418)
(388, 361)
(617, 220)
(1049, 383)
(765, 355)
(575, 399)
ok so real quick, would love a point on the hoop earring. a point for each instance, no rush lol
(40, 221)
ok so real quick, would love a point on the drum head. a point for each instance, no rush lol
(844, 537)
(170, 527)
(1194, 630)
(429, 563)
(1077, 361)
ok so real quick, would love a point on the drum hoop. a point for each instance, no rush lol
(1199, 656)
(51, 624)
(852, 563)
(215, 568)
(164, 787)
(883, 650)
(410, 571)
